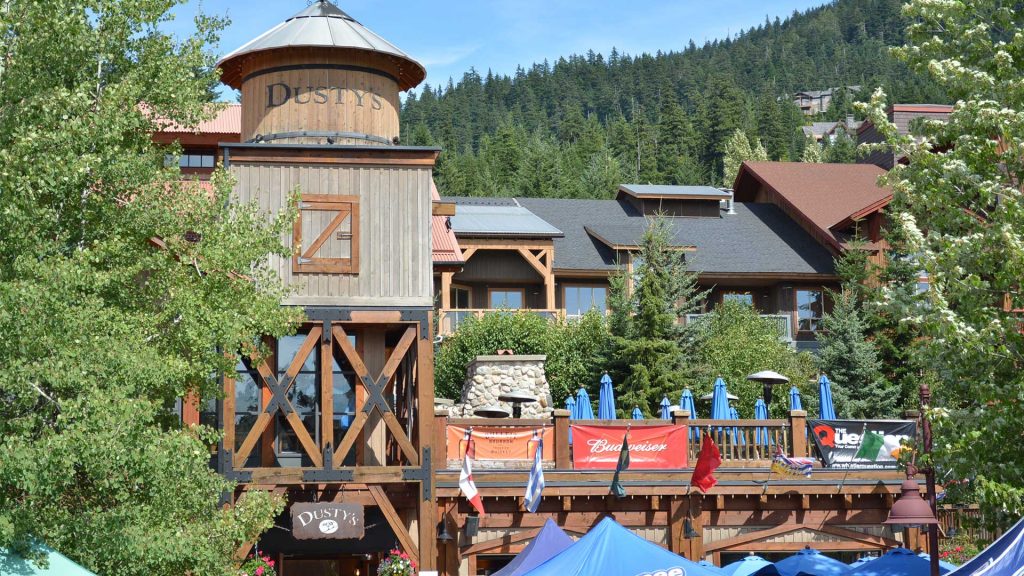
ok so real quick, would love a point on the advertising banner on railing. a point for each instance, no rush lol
(501, 442)
(861, 444)
(650, 447)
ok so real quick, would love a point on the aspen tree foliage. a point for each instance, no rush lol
(121, 289)
(959, 202)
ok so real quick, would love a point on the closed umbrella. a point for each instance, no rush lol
(736, 436)
(794, 399)
(720, 404)
(637, 414)
(584, 411)
(570, 405)
(826, 411)
(761, 413)
(666, 409)
(686, 403)
(606, 399)
(745, 567)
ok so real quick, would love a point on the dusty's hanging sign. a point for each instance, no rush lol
(650, 447)
(878, 442)
(323, 520)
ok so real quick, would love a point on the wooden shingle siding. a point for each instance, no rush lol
(394, 229)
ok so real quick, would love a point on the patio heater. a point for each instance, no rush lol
(911, 509)
(768, 378)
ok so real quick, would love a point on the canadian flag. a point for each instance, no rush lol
(466, 477)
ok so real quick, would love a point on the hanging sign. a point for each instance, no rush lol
(650, 447)
(501, 442)
(861, 444)
(327, 521)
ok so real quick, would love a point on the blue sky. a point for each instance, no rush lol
(450, 36)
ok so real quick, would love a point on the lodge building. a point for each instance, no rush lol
(341, 417)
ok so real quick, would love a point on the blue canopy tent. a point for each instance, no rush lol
(606, 399)
(826, 410)
(57, 564)
(746, 566)
(809, 561)
(637, 414)
(943, 565)
(584, 411)
(611, 550)
(896, 562)
(666, 409)
(550, 541)
(1004, 557)
(794, 399)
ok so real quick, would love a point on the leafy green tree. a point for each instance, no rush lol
(120, 288)
(732, 342)
(959, 211)
(737, 151)
(841, 148)
(813, 152)
(574, 349)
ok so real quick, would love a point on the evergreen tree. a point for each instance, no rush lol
(775, 135)
(850, 361)
(840, 148)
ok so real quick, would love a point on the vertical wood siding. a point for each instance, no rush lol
(394, 229)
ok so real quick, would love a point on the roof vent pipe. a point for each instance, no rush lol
(729, 207)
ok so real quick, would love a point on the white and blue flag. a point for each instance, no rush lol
(535, 486)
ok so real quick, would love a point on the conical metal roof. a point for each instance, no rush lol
(324, 25)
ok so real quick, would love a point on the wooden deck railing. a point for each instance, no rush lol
(742, 443)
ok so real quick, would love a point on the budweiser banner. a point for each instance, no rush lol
(650, 447)
(500, 442)
(861, 444)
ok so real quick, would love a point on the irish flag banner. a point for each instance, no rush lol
(861, 444)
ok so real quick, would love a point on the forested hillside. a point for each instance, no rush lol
(580, 126)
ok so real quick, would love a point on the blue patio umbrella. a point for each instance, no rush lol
(637, 414)
(584, 411)
(686, 403)
(810, 561)
(719, 401)
(710, 566)
(826, 411)
(794, 399)
(570, 405)
(761, 413)
(57, 564)
(746, 566)
(943, 565)
(666, 412)
(606, 399)
(862, 560)
(735, 415)
(896, 562)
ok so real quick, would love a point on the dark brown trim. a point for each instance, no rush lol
(343, 67)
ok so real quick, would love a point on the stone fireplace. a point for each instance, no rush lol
(488, 377)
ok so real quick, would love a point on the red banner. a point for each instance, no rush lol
(650, 447)
(501, 442)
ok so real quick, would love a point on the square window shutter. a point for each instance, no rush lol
(326, 235)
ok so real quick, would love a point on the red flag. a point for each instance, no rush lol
(707, 462)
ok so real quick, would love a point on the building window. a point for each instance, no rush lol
(197, 160)
(578, 300)
(506, 298)
(461, 298)
(247, 408)
(810, 306)
(745, 298)
(327, 235)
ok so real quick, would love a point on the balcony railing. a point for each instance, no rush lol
(783, 323)
(449, 320)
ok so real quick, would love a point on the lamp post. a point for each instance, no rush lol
(911, 509)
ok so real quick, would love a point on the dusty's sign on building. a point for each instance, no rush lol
(318, 521)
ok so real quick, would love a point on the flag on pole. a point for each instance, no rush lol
(535, 486)
(708, 461)
(466, 483)
(622, 464)
(874, 446)
(793, 466)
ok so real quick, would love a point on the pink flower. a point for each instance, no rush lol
(270, 563)
(259, 571)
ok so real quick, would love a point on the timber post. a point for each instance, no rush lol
(798, 427)
(562, 460)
